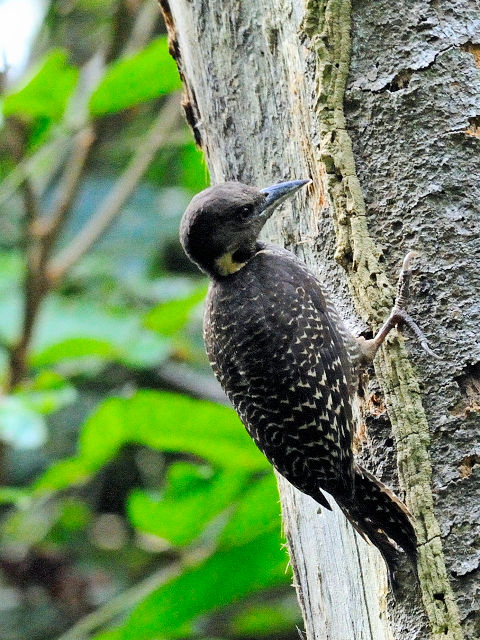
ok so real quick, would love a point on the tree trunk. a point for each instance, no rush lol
(380, 105)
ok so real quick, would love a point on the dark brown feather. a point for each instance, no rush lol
(279, 352)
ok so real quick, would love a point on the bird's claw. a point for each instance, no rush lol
(401, 317)
(398, 315)
(407, 260)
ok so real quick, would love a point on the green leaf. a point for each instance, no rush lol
(192, 499)
(195, 176)
(14, 495)
(169, 317)
(266, 619)
(45, 95)
(75, 514)
(111, 634)
(224, 578)
(62, 474)
(146, 75)
(48, 380)
(161, 420)
(48, 400)
(73, 348)
(74, 330)
(257, 513)
(176, 423)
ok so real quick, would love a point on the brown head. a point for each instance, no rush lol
(220, 227)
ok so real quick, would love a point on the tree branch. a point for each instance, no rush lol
(40, 232)
(33, 288)
(39, 238)
(123, 189)
(48, 230)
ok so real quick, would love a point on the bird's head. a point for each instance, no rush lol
(220, 226)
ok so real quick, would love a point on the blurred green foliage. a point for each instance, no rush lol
(131, 81)
(164, 421)
(46, 93)
(131, 506)
(225, 577)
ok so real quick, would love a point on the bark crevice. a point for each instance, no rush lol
(327, 25)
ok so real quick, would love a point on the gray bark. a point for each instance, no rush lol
(413, 107)
(254, 74)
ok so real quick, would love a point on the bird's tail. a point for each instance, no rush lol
(377, 514)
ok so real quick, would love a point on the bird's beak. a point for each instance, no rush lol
(278, 193)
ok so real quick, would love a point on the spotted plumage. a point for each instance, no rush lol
(280, 365)
(284, 358)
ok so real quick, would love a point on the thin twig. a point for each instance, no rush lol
(121, 603)
(122, 190)
(34, 288)
(32, 208)
(39, 239)
(25, 167)
(48, 230)
(143, 27)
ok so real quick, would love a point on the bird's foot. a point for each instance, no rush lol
(398, 315)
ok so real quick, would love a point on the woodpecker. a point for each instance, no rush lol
(285, 359)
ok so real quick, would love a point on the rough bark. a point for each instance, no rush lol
(394, 162)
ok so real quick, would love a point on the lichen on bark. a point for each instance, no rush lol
(327, 25)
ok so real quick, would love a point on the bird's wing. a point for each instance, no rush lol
(286, 372)
(315, 361)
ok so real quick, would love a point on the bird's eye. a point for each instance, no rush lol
(246, 211)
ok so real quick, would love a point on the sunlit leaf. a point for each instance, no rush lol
(224, 578)
(176, 423)
(189, 503)
(14, 495)
(257, 512)
(169, 317)
(195, 173)
(73, 348)
(161, 420)
(72, 330)
(48, 380)
(143, 76)
(266, 619)
(45, 95)
(111, 634)
(48, 400)
(181, 163)
(65, 473)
